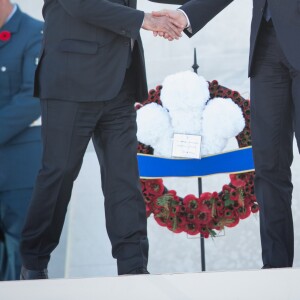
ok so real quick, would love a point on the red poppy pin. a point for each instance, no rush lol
(5, 36)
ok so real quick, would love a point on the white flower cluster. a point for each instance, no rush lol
(186, 110)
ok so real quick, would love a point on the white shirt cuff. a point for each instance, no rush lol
(187, 19)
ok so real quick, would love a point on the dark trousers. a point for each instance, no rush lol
(13, 208)
(275, 117)
(66, 131)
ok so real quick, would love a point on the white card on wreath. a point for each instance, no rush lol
(186, 146)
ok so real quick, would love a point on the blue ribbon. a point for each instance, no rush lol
(237, 161)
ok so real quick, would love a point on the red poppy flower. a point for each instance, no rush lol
(191, 228)
(174, 196)
(174, 224)
(237, 180)
(175, 230)
(232, 222)
(175, 209)
(234, 195)
(220, 213)
(228, 213)
(5, 36)
(254, 208)
(182, 209)
(204, 231)
(154, 187)
(205, 196)
(191, 202)
(226, 188)
(160, 221)
(203, 217)
(170, 221)
(219, 205)
(215, 195)
(244, 212)
(181, 223)
(137, 106)
(191, 217)
(248, 200)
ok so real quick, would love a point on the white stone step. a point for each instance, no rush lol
(272, 284)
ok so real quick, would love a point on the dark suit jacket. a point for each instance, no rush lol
(285, 16)
(85, 50)
(20, 144)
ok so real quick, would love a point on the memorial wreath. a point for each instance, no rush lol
(211, 211)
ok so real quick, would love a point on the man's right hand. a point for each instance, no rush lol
(175, 16)
(168, 27)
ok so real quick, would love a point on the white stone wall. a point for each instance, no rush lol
(223, 55)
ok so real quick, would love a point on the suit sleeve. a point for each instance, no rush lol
(200, 12)
(23, 108)
(122, 20)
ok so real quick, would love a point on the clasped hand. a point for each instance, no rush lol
(165, 23)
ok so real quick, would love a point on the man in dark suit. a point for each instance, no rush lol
(90, 74)
(275, 92)
(20, 141)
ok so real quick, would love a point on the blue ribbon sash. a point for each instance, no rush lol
(237, 161)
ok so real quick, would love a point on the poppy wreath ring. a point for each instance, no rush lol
(212, 211)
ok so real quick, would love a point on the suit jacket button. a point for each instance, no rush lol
(262, 10)
(123, 32)
(3, 69)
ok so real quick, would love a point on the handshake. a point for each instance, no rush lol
(168, 24)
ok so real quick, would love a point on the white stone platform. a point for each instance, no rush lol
(279, 284)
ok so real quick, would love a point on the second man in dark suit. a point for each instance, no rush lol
(90, 74)
(274, 70)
